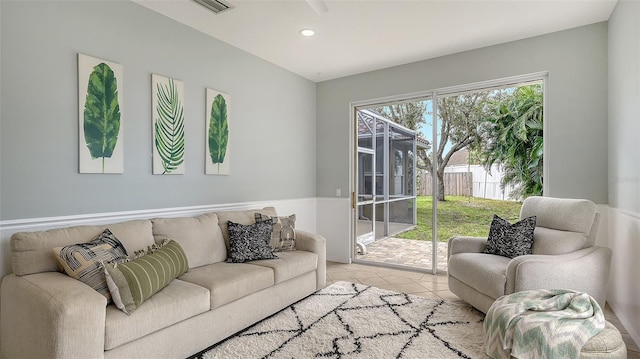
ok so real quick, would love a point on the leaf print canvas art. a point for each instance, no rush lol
(217, 134)
(100, 85)
(167, 99)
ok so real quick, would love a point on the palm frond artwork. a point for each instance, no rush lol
(168, 125)
(217, 133)
(100, 98)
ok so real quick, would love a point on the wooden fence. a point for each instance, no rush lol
(455, 184)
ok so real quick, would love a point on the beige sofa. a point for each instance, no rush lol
(46, 314)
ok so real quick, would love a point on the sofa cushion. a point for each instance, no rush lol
(242, 217)
(290, 264)
(176, 302)
(249, 242)
(510, 240)
(552, 241)
(133, 282)
(575, 215)
(283, 236)
(200, 237)
(485, 273)
(31, 252)
(230, 281)
(83, 261)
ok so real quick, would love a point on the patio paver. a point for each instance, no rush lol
(406, 252)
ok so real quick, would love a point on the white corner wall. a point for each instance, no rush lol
(624, 164)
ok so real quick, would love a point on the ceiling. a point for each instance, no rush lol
(355, 36)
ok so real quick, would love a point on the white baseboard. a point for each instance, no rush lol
(304, 208)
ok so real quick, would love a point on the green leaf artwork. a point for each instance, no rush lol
(169, 126)
(218, 131)
(101, 113)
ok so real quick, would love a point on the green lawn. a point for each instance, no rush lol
(461, 216)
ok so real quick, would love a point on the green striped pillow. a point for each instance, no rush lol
(133, 282)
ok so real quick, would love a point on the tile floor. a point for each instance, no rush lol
(426, 285)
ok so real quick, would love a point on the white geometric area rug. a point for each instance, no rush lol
(347, 320)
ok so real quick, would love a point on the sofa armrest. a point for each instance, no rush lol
(462, 244)
(311, 242)
(50, 315)
(586, 270)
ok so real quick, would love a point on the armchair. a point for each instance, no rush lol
(564, 256)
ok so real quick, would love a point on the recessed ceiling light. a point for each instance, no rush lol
(307, 32)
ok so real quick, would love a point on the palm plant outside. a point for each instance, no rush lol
(514, 139)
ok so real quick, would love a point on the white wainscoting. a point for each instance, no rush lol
(602, 239)
(334, 223)
(304, 209)
(624, 286)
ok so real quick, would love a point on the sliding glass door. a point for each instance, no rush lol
(441, 164)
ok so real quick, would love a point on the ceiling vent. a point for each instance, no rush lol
(217, 6)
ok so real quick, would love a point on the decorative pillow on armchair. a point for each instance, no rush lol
(283, 237)
(250, 242)
(510, 240)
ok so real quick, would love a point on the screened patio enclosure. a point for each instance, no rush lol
(386, 178)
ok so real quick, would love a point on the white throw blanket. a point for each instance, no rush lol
(541, 324)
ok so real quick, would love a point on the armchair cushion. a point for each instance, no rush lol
(575, 215)
(510, 240)
(483, 272)
(552, 241)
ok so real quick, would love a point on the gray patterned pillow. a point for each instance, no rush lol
(510, 240)
(283, 237)
(250, 242)
(83, 261)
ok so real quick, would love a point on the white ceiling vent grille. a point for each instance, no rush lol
(217, 6)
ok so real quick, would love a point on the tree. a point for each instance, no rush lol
(461, 120)
(513, 138)
(459, 116)
(407, 114)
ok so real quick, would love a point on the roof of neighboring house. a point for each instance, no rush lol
(422, 143)
(459, 158)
